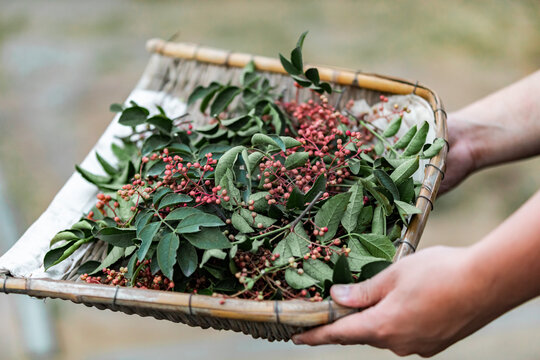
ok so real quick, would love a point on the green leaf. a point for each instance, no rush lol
(406, 190)
(381, 199)
(147, 235)
(318, 186)
(290, 68)
(434, 149)
(406, 138)
(112, 257)
(262, 139)
(67, 235)
(407, 209)
(404, 171)
(174, 199)
(236, 123)
(318, 270)
(330, 214)
(297, 281)
(378, 224)
(378, 245)
(240, 224)
(212, 253)
(223, 99)
(393, 127)
(417, 141)
(284, 251)
(161, 122)
(226, 161)
(260, 203)
(116, 108)
(342, 272)
(92, 178)
(187, 258)
(117, 237)
(254, 159)
(88, 267)
(290, 142)
(193, 223)
(387, 182)
(300, 42)
(160, 193)
(313, 75)
(296, 199)
(296, 59)
(202, 92)
(155, 143)
(52, 256)
(259, 219)
(133, 116)
(364, 219)
(296, 159)
(298, 241)
(166, 253)
(227, 182)
(354, 207)
(208, 238)
(109, 169)
(142, 219)
(182, 213)
(359, 256)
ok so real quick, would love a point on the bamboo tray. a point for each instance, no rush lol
(176, 69)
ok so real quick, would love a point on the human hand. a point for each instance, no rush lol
(422, 304)
(460, 161)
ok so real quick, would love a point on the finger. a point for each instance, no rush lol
(357, 328)
(364, 294)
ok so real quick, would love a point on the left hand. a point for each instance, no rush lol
(422, 304)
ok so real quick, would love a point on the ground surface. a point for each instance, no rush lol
(62, 63)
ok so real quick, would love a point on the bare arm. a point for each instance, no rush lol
(428, 301)
(501, 127)
(432, 299)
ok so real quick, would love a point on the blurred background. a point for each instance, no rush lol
(63, 62)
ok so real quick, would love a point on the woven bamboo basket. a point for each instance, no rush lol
(176, 69)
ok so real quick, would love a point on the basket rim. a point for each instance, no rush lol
(288, 312)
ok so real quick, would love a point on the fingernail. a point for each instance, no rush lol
(341, 291)
(296, 339)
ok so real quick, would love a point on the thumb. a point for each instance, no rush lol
(361, 295)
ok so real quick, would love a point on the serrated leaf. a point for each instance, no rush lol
(378, 245)
(318, 270)
(208, 238)
(147, 235)
(342, 272)
(418, 140)
(223, 99)
(385, 180)
(187, 258)
(407, 209)
(393, 127)
(212, 253)
(240, 223)
(297, 281)
(378, 224)
(193, 223)
(359, 256)
(284, 251)
(260, 203)
(226, 161)
(354, 207)
(262, 139)
(258, 219)
(166, 253)
(318, 186)
(406, 138)
(254, 159)
(173, 199)
(329, 215)
(298, 241)
(404, 171)
(434, 149)
(290, 142)
(182, 213)
(296, 159)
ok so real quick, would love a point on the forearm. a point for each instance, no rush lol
(505, 266)
(504, 126)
